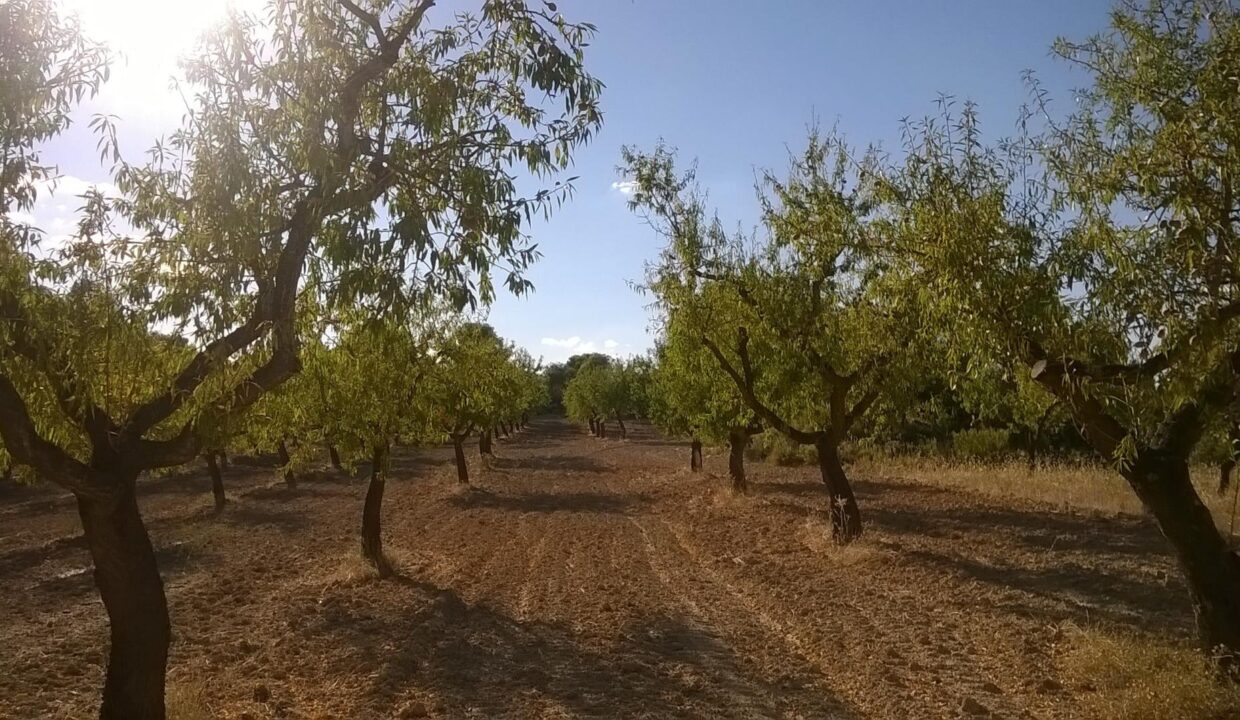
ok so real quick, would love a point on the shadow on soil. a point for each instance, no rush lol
(578, 502)
(478, 661)
(1113, 569)
(553, 463)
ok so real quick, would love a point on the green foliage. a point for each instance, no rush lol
(806, 321)
(1099, 251)
(690, 393)
(359, 146)
(586, 395)
(477, 380)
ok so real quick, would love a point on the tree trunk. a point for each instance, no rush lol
(223, 460)
(462, 468)
(624, 432)
(133, 595)
(845, 515)
(217, 482)
(334, 454)
(593, 427)
(372, 511)
(525, 419)
(695, 455)
(1162, 482)
(1224, 475)
(484, 443)
(602, 428)
(738, 440)
(286, 460)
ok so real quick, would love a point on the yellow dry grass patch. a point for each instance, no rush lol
(1092, 487)
(187, 700)
(815, 534)
(1126, 677)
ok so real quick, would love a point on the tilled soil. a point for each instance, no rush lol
(586, 578)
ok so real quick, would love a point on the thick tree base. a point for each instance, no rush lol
(133, 595)
(737, 442)
(846, 524)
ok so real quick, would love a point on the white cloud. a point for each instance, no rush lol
(626, 187)
(71, 186)
(560, 349)
(569, 343)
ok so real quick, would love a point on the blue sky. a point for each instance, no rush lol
(733, 84)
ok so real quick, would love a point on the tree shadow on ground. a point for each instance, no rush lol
(249, 515)
(476, 660)
(538, 502)
(919, 510)
(553, 463)
(1069, 591)
(172, 560)
(25, 557)
(1112, 569)
(807, 489)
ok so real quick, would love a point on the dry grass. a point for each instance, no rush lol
(815, 534)
(1085, 486)
(187, 700)
(352, 571)
(1125, 677)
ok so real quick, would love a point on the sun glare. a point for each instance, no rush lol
(149, 36)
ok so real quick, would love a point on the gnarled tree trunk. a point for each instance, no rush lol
(462, 468)
(372, 512)
(334, 454)
(217, 481)
(593, 427)
(602, 428)
(695, 455)
(738, 440)
(286, 461)
(1162, 482)
(845, 514)
(484, 442)
(1224, 475)
(133, 595)
(624, 432)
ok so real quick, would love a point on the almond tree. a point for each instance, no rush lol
(466, 386)
(806, 321)
(360, 135)
(585, 396)
(1099, 257)
(375, 375)
(691, 394)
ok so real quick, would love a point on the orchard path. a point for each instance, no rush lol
(586, 578)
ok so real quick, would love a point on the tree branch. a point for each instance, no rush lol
(744, 381)
(27, 447)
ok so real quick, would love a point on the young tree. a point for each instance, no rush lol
(1099, 257)
(374, 377)
(691, 394)
(466, 387)
(304, 122)
(586, 396)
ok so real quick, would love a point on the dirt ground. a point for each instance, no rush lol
(587, 578)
